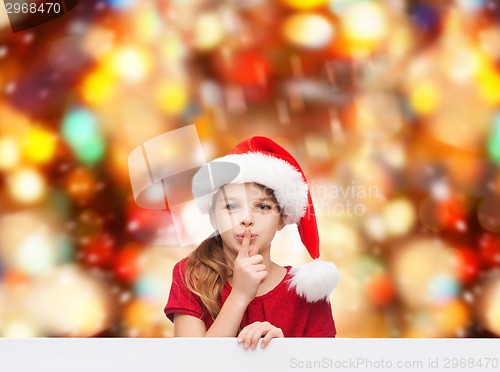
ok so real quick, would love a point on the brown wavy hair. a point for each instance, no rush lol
(208, 261)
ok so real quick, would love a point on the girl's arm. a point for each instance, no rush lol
(229, 319)
(225, 325)
(188, 326)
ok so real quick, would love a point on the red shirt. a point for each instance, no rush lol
(281, 307)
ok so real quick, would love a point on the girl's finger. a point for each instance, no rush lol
(274, 333)
(245, 335)
(249, 338)
(257, 335)
(241, 336)
(268, 337)
(245, 245)
(260, 267)
(261, 275)
(254, 334)
(257, 259)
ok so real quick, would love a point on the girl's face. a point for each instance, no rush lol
(237, 206)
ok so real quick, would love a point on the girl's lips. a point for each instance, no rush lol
(240, 237)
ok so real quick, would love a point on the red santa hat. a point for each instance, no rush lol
(263, 161)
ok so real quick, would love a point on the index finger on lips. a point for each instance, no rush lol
(245, 244)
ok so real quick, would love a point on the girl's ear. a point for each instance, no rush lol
(281, 224)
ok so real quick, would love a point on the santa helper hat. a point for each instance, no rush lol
(263, 161)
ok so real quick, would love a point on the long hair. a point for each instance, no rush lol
(208, 262)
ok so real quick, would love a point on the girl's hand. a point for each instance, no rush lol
(251, 334)
(249, 271)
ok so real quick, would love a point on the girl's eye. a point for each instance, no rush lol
(231, 207)
(264, 207)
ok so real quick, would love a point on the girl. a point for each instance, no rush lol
(229, 286)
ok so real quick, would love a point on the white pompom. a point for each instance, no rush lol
(314, 281)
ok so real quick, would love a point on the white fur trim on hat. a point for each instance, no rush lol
(315, 280)
(284, 179)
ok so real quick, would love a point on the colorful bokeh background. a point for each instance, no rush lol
(390, 106)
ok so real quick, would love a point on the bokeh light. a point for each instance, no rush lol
(9, 153)
(399, 217)
(469, 265)
(121, 4)
(443, 288)
(308, 30)
(26, 186)
(131, 64)
(98, 87)
(424, 97)
(80, 129)
(489, 304)
(451, 318)
(39, 146)
(425, 272)
(471, 5)
(81, 185)
(69, 290)
(493, 144)
(172, 97)
(98, 41)
(38, 252)
(305, 4)
(364, 24)
(208, 31)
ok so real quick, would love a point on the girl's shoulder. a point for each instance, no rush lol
(180, 268)
(182, 263)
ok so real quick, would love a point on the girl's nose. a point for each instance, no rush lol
(246, 223)
(247, 218)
